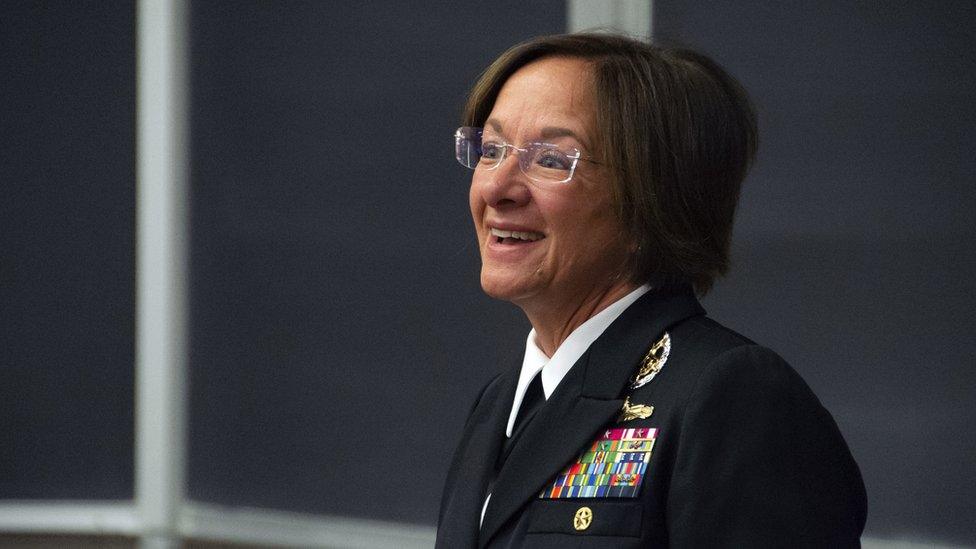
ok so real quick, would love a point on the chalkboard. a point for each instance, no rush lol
(339, 334)
(67, 261)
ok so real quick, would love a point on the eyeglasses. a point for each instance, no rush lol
(540, 162)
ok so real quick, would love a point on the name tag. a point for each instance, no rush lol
(613, 466)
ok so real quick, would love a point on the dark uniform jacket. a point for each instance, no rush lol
(743, 455)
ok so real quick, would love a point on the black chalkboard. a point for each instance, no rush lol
(338, 330)
(67, 263)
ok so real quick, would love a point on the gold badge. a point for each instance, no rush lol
(583, 518)
(653, 361)
(634, 411)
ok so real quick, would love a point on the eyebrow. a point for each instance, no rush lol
(547, 132)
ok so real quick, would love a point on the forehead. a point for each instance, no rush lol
(550, 93)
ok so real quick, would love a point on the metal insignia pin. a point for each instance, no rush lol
(634, 411)
(653, 361)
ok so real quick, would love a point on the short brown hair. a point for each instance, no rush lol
(677, 134)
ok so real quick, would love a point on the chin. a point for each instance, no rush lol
(503, 287)
(493, 288)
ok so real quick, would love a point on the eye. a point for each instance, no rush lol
(553, 159)
(491, 151)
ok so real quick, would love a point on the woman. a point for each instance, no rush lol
(606, 176)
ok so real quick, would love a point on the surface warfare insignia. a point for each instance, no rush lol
(613, 466)
(653, 361)
(634, 411)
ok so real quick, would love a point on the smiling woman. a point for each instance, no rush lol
(606, 177)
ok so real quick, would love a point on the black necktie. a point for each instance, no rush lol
(532, 401)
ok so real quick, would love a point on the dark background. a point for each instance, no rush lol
(67, 257)
(338, 329)
(338, 333)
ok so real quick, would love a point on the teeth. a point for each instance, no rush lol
(520, 235)
(526, 236)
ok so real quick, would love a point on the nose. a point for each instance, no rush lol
(503, 186)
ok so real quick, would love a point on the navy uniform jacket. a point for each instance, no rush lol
(745, 455)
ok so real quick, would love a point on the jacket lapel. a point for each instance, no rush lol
(481, 442)
(586, 400)
(553, 438)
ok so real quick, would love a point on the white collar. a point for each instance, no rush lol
(554, 369)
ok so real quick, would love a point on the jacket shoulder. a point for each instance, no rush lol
(706, 338)
(707, 357)
(749, 432)
(693, 345)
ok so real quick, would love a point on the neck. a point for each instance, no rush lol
(554, 321)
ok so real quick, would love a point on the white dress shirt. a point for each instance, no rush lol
(555, 368)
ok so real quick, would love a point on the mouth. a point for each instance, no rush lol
(501, 236)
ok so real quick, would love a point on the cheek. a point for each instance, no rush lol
(579, 214)
(477, 206)
(591, 229)
(474, 202)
